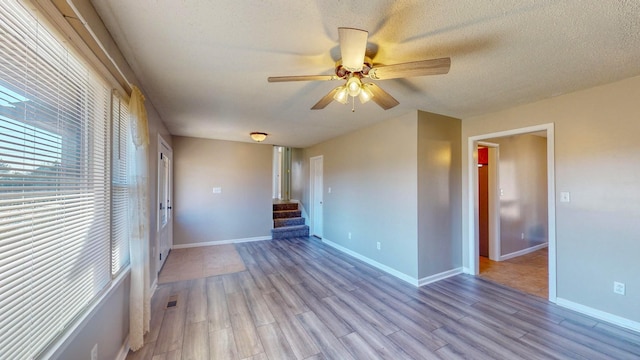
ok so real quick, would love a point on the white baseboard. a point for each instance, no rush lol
(523, 252)
(440, 276)
(221, 242)
(124, 350)
(400, 275)
(599, 314)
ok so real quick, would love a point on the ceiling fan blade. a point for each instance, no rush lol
(302, 78)
(326, 100)
(415, 68)
(353, 45)
(381, 97)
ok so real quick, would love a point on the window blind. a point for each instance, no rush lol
(119, 187)
(55, 185)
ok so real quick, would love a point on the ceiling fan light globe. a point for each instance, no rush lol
(365, 94)
(342, 95)
(353, 86)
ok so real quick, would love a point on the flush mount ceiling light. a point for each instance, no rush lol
(258, 136)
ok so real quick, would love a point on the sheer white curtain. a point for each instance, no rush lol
(140, 311)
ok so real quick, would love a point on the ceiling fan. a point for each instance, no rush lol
(355, 66)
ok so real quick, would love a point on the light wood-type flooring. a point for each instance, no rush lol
(300, 299)
(528, 273)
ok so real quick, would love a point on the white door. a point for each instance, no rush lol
(316, 196)
(165, 207)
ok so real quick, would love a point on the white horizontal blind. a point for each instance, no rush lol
(54, 185)
(119, 187)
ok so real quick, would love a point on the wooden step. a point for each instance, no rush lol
(285, 206)
(283, 214)
(288, 222)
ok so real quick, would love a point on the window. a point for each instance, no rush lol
(60, 163)
(119, 187)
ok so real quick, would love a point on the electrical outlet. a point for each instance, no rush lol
(349, 235)
(378, 245)
(94, 352)
(618, 288)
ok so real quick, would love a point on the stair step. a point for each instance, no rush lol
(288, 222)
(282, 214)
(288, 232)
(285, 206)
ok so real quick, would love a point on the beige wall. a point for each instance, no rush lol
(242, 210)
(597, 160)
(523, 181)
(398, 183)
(297, 177)
(372, 173)
(439, 211)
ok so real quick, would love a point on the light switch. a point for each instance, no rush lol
(217, 190)
(565, 196)
(329, 190)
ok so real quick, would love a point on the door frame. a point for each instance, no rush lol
(164, 148)
(472, 203)
(313, 161)
(493, 198)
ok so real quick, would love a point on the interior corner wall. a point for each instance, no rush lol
(597, 161)
(372, 174)
(439, 197)
(523, 183)
(243, 208)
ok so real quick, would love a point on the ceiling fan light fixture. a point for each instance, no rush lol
(258, 136)
(354, 65)
(365, 94)
(353, 86)
(342, 95)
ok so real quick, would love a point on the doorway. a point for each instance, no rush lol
(315, 186)
(281, 173)
(488, 200)
(165, 195)
(473, 245)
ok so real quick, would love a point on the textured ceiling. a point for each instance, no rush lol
(204, 64)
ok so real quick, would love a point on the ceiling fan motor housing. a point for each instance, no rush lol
(342, 72)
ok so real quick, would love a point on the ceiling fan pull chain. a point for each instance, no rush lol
(353, 108)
